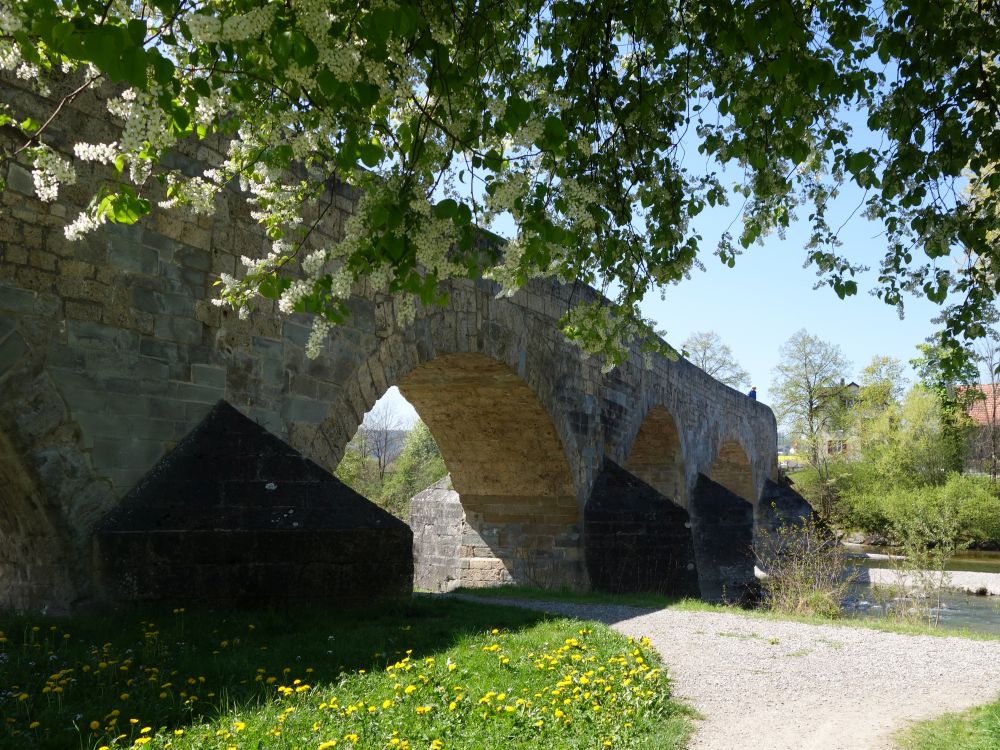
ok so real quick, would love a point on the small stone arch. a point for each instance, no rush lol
(657, 455)
(732, 470)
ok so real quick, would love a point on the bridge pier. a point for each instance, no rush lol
(462, 542)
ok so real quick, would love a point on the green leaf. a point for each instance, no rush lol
(281, 48)
(328, 83)
(371, 154)
(124, 207)
(446, 209)
(303, 50)
(272, 286)
(136, 30)
(554, 132)
(367, 93)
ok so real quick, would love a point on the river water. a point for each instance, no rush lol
(958, 610)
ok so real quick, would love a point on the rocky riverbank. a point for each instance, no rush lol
(961, 580)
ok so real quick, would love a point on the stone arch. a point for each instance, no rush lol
(732, 470)
(33, 566)
(519, 519)
(512, 481)
(657, 455)
(494, 435)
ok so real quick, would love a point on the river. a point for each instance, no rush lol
(958, 610)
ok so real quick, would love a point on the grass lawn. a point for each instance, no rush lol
(431, 675)
(658, 601)
(977, 729)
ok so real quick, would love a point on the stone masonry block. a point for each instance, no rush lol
(176, 328)
(16, 300)
(208, 375)
(129, 255)
(12, 349)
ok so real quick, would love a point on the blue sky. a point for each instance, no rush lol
(757, 305)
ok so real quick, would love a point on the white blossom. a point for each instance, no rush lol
(86, 222)
(293, 295)
(317, 337)
(105, 153)
(51, 170)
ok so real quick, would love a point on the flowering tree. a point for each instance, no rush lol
(574, 121)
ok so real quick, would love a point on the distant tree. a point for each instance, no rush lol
(706, 350)
(810, 395)
(380, 427)
(357, 468)
(419, 465)
(944, 371)
(882, 388)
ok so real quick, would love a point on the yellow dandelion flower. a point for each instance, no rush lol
(421, 710)
(351, 737)
(34, 725)
(327, 745)
(95, 725)
(386, 704)
(239, 726)
(436, 744)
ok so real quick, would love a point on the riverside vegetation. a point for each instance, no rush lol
(430, 675)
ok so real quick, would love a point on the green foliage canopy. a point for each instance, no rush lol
(577, 120)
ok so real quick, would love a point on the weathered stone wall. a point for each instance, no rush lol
(722, 525)
(637, 539)
(235, 515)
(111, 351)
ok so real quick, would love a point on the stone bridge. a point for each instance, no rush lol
(111, 352)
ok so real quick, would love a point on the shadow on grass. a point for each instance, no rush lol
(172, 668)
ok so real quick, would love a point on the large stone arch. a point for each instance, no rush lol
(476, 323)
(657, 455)
(733, 471)
(493, 403)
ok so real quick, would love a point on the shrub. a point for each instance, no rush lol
(805, 570)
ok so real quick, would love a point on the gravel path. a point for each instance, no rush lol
(772, 685)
